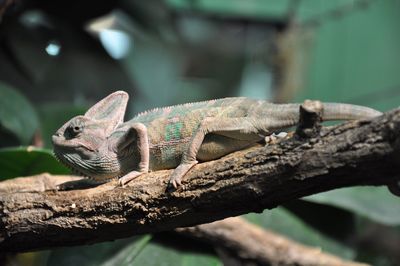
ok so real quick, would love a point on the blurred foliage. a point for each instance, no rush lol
(372, 202)
(143, 250)
(58, 58)
(18, 118)
(26, 161)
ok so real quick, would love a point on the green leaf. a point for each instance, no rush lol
(142, 250)
(26, 161)
(320, 217)
(375, 203)
(283, 222)
(156, 254)
(126, 255)
(97, 254)
(17, 115)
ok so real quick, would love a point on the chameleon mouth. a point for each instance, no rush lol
(60, 142)
(89, 169)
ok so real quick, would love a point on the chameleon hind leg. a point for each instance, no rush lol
(243, 131)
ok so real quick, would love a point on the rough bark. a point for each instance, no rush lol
(243, 241)
(356, 153)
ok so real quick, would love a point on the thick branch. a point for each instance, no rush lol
(357, 153)
(258, 247)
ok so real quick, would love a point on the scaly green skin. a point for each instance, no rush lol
(101, 146)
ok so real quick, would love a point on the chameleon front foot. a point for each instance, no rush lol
(179, 172)
(129, 177)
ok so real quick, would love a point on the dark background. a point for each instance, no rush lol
(57, 58)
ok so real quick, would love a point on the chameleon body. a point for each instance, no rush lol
(101, 146)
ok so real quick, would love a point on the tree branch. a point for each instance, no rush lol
(356, 153)
(260, 247)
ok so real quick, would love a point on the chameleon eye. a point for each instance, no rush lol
(74, 130)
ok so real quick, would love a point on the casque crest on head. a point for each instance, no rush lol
(111, 109)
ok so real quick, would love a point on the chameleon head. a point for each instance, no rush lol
(83, 142)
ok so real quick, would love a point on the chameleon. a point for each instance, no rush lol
(101, 146)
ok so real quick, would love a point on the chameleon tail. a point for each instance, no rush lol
(287, 115)
(343, 111)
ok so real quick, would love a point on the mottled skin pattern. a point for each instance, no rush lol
(101, 146)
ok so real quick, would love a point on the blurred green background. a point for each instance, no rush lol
(57, 58)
